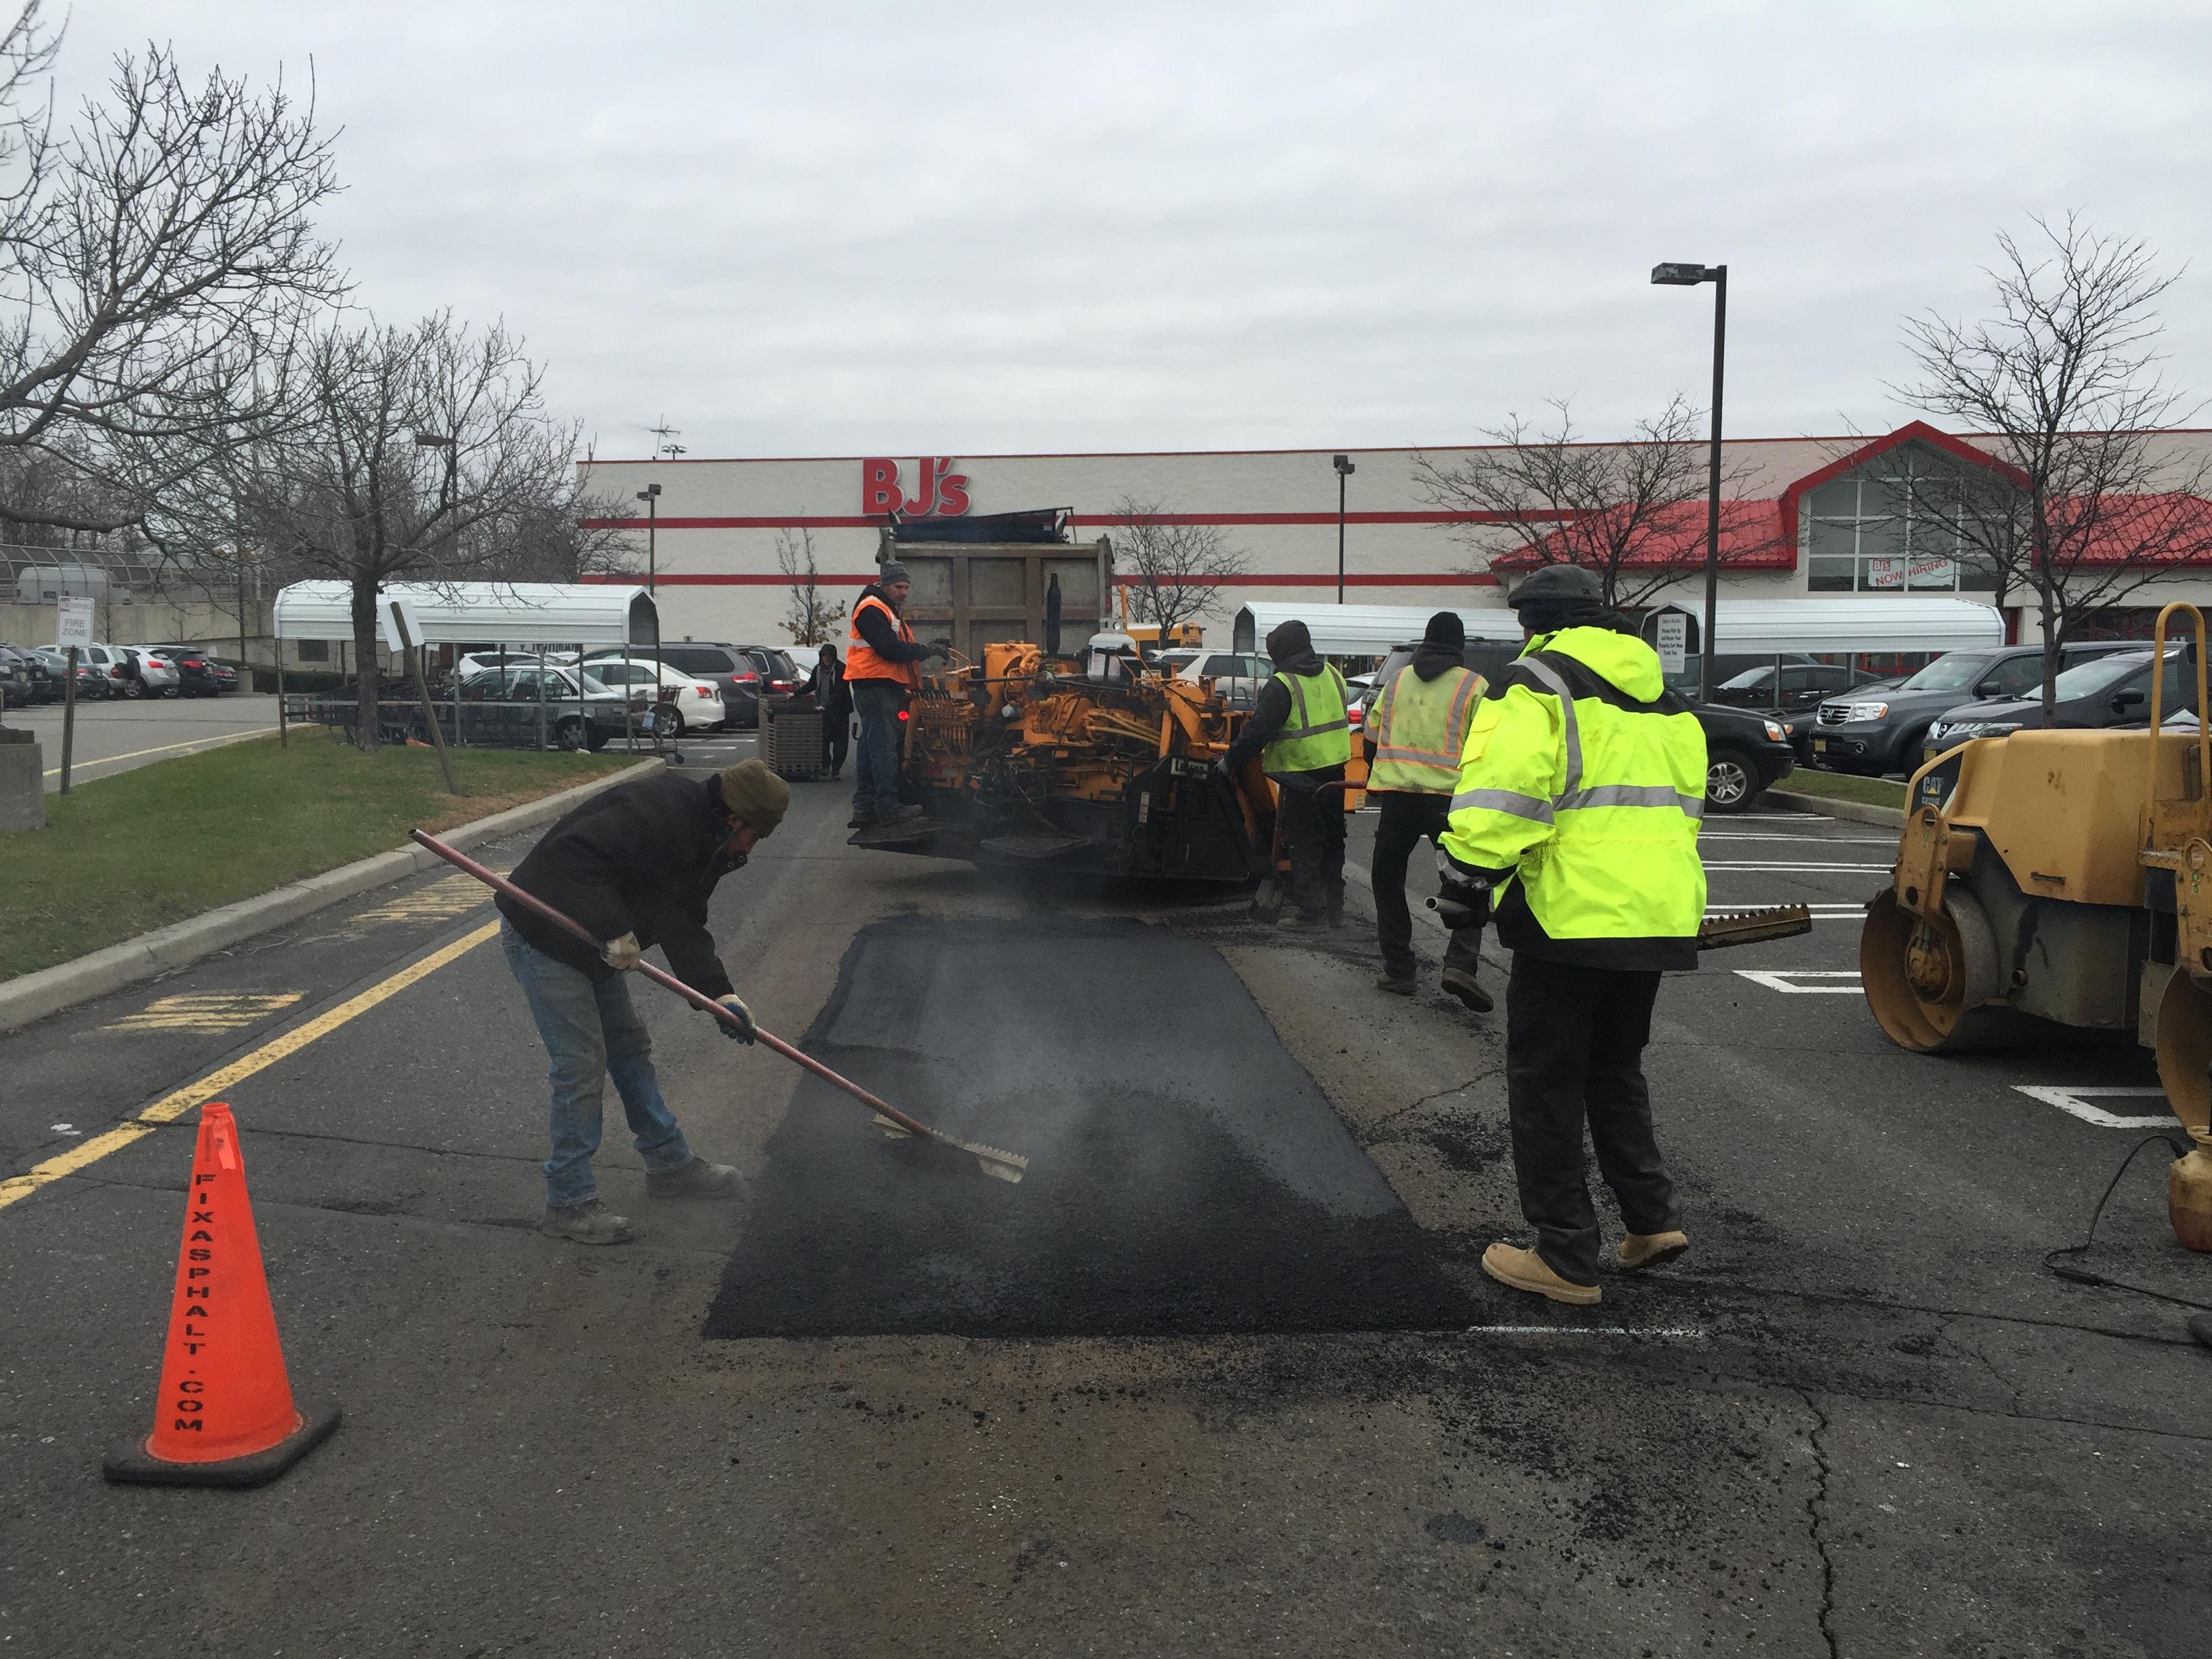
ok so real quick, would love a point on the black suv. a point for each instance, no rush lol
(1745, 752)
(746, 674)
(2113, 690)
(1883, 732)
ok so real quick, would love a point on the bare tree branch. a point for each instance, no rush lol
(1633, 511)
(2086, 501)
(811, 616)
(1178, 570)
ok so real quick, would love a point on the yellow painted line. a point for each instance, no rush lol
(171, 1107)
(136, 754)
(210, 1015)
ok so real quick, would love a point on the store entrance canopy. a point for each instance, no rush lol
(483, 613)
(1365, 631)
(1869, 626)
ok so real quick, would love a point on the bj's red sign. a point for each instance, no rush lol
(939, 491)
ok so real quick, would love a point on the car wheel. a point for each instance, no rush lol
(1731, 781)
(572, 733)
(134, 689)
(672, 720)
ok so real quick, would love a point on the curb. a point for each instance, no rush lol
(1854, 811)
(50, 990)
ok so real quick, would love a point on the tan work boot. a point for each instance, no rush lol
(1524, 1270)
(1651, 1249)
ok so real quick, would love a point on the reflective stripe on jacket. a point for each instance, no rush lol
(1317, 734)
(1585, 777)
(1419, 728)
(862, 661)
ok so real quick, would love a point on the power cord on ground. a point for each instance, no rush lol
(2200, 1324)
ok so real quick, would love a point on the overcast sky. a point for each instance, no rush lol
(894, 229)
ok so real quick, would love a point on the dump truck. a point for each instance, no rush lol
(2056, 881)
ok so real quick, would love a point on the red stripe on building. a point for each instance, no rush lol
(1102, 521)
(1299, 579)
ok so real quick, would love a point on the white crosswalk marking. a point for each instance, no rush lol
(2074, 1102)
(1784, 980)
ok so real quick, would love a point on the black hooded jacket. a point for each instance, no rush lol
(640, 858)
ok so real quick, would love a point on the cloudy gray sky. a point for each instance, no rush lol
(843, 229)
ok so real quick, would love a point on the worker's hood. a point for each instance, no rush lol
(1430, 660)
(1622, 658)
(1290, 647)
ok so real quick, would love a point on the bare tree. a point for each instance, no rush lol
(158, 262)
(356, 490)
(1177, 569)
(811, 616)
(2086, 501)
(1633, 511)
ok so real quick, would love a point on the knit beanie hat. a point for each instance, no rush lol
(756, 795)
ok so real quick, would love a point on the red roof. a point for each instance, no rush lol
(1672, 538)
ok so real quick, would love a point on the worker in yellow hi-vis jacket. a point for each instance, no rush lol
(1302, 736)
(1580, 794)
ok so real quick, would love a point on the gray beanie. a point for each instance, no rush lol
(893, 571)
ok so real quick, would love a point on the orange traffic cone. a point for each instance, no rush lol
(225, 1417)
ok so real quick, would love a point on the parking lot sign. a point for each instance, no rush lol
(72, 624)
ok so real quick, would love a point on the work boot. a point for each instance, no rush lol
(1461, 982)
(1336, 916)
(1398, 985)
(1524, 1270)
(1300, 922)
(859, 820)
(697, 1179)
(905, 812)
(1652, 1249)
(589, 1223)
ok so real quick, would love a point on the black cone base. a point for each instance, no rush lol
(130, 1464)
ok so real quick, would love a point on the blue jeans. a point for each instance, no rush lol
(876, 768)
(592, 1033)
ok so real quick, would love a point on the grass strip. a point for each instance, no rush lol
(121, 855)
(1843, 785)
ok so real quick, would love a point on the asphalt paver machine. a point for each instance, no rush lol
(2053, 880)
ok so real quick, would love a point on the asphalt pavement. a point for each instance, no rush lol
(117, 734)
(1859, 1418)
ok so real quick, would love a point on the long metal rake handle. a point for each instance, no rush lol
(698, 999)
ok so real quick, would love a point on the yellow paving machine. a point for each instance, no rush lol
(2062, 879)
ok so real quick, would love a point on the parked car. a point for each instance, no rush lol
(197, 670)
(91, 679)
(1877, 734)
(1237, 678)
(605, 712)
(699, 704)
(1794, 685)
(158, 676)
(476, 662)
(2113, 690)
(27, 678)
(743, 673)
(110, 661)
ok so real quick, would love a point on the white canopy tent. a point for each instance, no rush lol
(1365, 631)
(1867, 625)
(538, 614)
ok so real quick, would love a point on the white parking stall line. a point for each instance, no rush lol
(1779, 817)
(1805, 840)
(2074, 1102)
(1795, 868)
(1784, 980)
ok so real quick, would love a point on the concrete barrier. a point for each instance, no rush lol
(50, 990)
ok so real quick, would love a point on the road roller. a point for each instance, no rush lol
(2056, 882)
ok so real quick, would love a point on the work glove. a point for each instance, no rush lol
(1224, 770)
(1464, 891)
(622, 954)
(744, 1030)
(938, 649)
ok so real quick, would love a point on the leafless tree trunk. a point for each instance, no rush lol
(1634, 512)
(1178, 570)
(351, 492)
(811, 615)
(2087, 501)
(158, 262)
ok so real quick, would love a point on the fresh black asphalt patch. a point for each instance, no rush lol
(1185, 1174)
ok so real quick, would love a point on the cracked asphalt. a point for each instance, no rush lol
(1861, 1418)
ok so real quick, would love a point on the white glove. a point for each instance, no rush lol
(622, 954)
(744, 1030)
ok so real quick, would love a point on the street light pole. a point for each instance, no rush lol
(651, 496)
(1345, 468)
(1683, 275)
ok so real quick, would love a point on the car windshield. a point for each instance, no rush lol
(1748, 679)
(1953, 672)
(2088, 679)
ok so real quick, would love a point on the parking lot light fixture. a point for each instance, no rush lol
(651, 496)
(1677, 273)
(1345, 468)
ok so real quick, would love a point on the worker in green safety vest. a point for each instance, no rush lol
(1303, 738)
(1581, 790)
(1415, 730)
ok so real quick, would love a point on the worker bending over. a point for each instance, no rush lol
(1580, 792)
(1415, 730)
(635, 865)
(1299, 732)
(883, 671)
